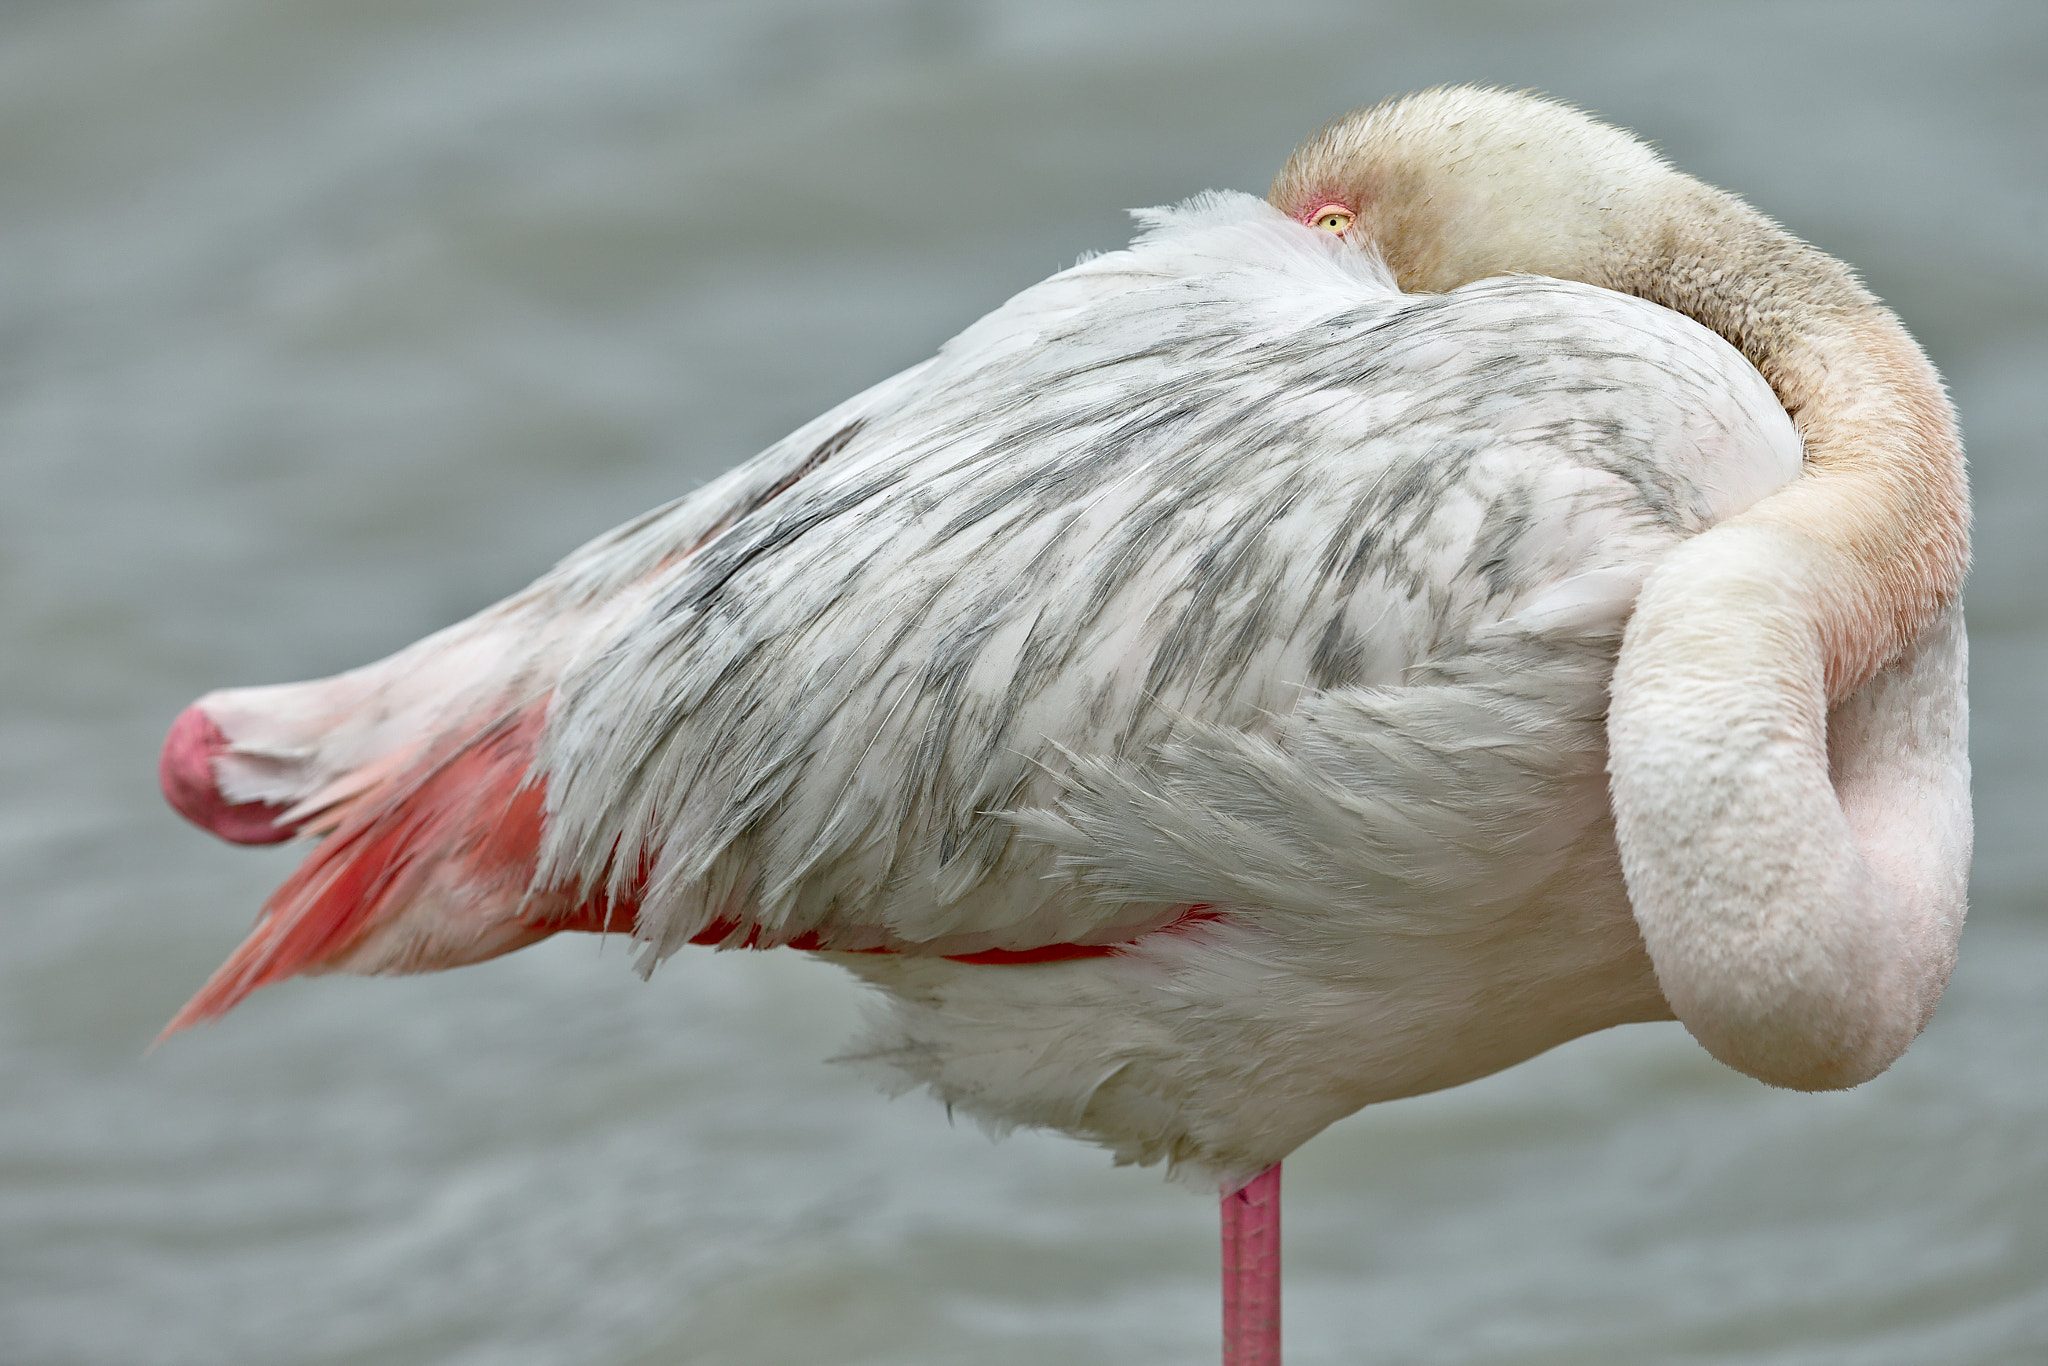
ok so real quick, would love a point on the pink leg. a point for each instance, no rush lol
(1251, 1272)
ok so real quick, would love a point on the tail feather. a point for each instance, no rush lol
(429, 870)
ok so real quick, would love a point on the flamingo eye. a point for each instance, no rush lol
(1332, 218)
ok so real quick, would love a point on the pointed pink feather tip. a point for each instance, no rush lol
(186, 772)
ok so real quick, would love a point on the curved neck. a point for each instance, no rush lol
(1791, 683)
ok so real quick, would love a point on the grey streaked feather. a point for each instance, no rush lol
(1215, 570)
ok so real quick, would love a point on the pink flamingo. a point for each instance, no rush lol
(1334, 649)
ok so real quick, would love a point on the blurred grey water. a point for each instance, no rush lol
(322, 325)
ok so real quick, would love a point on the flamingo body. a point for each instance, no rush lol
(1213, 572)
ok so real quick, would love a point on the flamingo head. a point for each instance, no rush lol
(1454, 185)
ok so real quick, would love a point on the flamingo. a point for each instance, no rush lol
(1493, 589)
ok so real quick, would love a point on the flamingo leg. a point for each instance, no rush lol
(1251, 1272)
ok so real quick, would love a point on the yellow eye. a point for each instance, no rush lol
(1332, 218)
